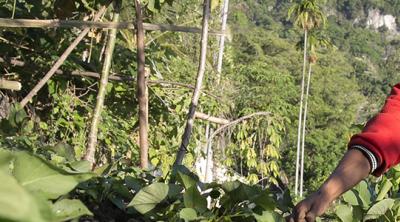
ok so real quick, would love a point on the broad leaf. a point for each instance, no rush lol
(268, 216)
(344, 213)
(188, 214)
(379, 209)
(16, 204)
(148, 197)
(39, 176)
(69, 209)
(193, 199)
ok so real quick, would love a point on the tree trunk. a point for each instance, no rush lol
(61, 60)
(196, 93)
(141, 88)
(300, 113)
(91, 149)
(304, 129)
(222, 39)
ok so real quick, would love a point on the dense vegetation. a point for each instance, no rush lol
(261, 73)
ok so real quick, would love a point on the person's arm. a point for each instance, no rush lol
(354, 167)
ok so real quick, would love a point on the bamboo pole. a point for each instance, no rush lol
(222, 39)
(11, 85)
(141, 88)
(196, 93)
(61, 60)
(56, 23)
(91, 149)
(304, 128)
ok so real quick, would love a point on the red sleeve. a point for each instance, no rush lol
(381, 135)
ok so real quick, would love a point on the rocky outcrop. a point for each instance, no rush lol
(377, 20)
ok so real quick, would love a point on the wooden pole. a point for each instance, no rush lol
(141, 88)
(55, 23)
(11, 85)
(91, 149)
(61, 60)
(222, 39)
(196, 93)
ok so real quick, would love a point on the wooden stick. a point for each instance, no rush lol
(212, 119)
(11, 85)
(141, 89)
(55, 23)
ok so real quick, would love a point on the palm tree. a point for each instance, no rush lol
(308, 15)
(316, 39)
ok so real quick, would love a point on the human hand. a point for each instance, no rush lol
(310, 208)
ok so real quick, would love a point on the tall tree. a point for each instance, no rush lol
(141, 88)
(316, 39)
(199, 81)
(92, 143)
(308, 15)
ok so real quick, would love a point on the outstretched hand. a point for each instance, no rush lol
(310, 208)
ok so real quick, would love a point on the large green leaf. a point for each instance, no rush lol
(379, 209)
(39, 176)
(5, 159)
(69, 209)
(351, 198)
(364, 193)
(148, 197)
(193, 199)
(188, 214)
(16, 204)
(268, 216)
(344, 213)
(186, 180)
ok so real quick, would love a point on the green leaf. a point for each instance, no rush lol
(39, 176)
(63, 150)
(230, 186)
(188, 214)
(148, 197)
(81, 166)
(344, 213)
(364, 193)
(186, 180)
(350, 197)
(69, 209)
(384, 189)
(5, 160)
(193, 199)
(268, 216)
(16, 204)
(379, 209)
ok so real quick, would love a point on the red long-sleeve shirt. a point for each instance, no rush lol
(381, 135)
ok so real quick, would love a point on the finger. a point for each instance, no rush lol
(300, 212)
(310, 216)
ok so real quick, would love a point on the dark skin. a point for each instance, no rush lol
(353, 168)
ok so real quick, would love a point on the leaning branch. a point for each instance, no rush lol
(235, 122)
(55, 23)
(212, 119)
